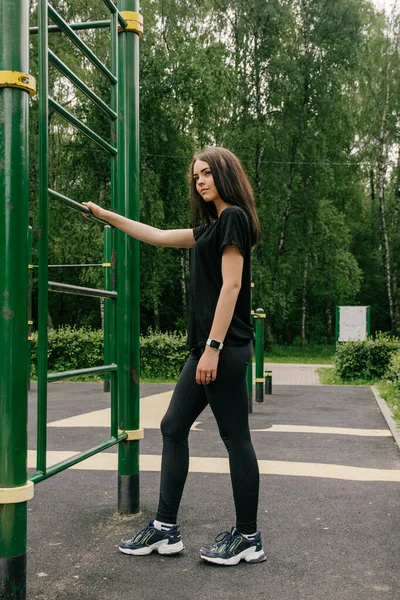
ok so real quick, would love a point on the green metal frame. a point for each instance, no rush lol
(337, 324)
(121, 262)
(259, 317)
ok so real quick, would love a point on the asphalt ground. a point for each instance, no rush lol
(329, 505)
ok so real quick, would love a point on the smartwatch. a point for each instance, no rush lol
(215, 344)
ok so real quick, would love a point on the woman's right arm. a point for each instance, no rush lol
(169, 238)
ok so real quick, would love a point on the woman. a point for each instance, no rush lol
(220, 339)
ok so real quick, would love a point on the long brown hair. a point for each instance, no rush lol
(232, 186)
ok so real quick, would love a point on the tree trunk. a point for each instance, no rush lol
(156, 310)
(381, 193)
(102, 312)
(183, 285)
(396, 308)
(372, 184)
(304, 303)
(329, 325)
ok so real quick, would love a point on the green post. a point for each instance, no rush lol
(14, 198)
(337, 324)
(368, 321)
(30, 322)
(250, 367)
(108, 329)
(128, 261)
(268, 382)
(259, 316)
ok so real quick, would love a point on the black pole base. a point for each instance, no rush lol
(13, 578)
(128, 494)
(259, 392)
(106, 385)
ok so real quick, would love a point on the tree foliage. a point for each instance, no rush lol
(306, 93)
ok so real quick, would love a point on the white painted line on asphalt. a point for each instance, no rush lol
(105, 461)
(326, 430)
(152, 411)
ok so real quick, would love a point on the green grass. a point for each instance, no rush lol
(309, 354)
(391, 394)
(329, 377)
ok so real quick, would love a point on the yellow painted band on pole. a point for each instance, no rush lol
(259, 380)
(106, 265)
(17, 494)
(30, 266)
(134, 22)
(135, 434)
(258, 316)
(252, 284)
(16, 79)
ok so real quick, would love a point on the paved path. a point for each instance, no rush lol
(329, 502)
(294, 374)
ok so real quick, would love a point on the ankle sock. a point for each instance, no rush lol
(163, 526)
(250, 536)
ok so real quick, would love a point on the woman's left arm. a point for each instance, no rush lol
(232, 269)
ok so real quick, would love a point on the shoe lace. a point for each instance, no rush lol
(224, 538)
(138, 536)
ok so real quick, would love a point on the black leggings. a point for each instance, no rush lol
(228, 399)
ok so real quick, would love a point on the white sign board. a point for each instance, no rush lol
(352, 323)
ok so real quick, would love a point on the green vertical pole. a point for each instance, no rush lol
(43, 223)
(111, 236)
(259, 317)
(108, 331)
(14, 199)
(250, 367)
(368, 321)
(128, 264)
(30, 267)
(337, 324)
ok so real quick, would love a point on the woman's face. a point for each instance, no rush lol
(204, 181)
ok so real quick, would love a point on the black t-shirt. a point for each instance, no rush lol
(232, 228)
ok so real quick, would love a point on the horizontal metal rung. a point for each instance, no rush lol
(82, 127)
(77, 290)
(75, 205)
(74, 460)
(71, 265)
(63, 25)
(62, 67)
(82, 372)
(74, 26)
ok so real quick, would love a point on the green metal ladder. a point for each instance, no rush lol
(121, 295)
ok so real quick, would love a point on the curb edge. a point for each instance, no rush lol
(388, 415)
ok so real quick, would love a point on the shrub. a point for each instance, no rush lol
(161, 354)
(392, 374)
(367, 359)
(70, 348)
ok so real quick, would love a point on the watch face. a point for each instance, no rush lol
(214, 344)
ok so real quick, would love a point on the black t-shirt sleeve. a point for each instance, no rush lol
(234, 230)
(198, 231)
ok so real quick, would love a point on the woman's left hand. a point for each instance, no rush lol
(206, 371)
